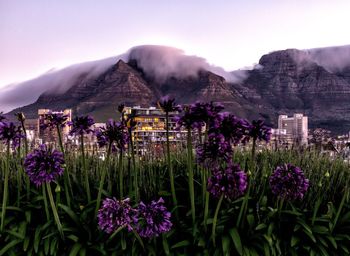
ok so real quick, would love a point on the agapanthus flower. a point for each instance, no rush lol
(230, 182)
(259, 131)
(288, 182)
(81, 125)
(167, 104)
(198, 115)
(153, 219)
(233, 128)
(114, 132)
(52, 120)
(10, 134)
(215, 149)
(44, 165)
(115, 214)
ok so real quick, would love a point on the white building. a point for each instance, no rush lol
(296, 127)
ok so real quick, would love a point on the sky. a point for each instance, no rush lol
(38, 35)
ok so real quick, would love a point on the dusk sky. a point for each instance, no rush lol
(37, 35)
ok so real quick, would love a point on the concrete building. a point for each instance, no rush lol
(150, 130)
(296, 128)
(50, 135)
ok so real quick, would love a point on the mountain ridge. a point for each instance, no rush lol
(285, 82)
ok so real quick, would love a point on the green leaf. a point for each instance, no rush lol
(71, 214)
(294, 241)
(225, 242)
(183, 243)
(250, 220)
(236, 240)
(333, 242)
(7, 247)
(26, 243)
(73, 237)
(82, 252)
(75, 249)
(165, 245)
(37, 239)
(320, 229)
(261, 226)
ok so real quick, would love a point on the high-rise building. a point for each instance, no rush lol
(150, 130)
(50, 135)
(296, 127)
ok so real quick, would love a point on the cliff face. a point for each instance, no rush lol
(289, 81)
(286, 82)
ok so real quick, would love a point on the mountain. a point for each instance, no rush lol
(285, 82)
(291, 81)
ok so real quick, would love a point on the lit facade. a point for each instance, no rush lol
(150, 130)
(296, 128)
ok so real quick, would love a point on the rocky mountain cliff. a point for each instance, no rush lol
(285, 82)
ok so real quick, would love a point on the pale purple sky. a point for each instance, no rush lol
(37, 35)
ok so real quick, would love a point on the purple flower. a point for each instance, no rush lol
(233, 128)
(53, 120)
(289, 182)
(116, 213)
(230, 182)
(10, 133)
(153, 219)
(44, 165)
(167, 104)
(258, 130)
(114, 132)
(197, 115)
(81, 125)
(213, 150)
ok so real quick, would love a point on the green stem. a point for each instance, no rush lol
(121, 174)
(46, 204)
(67, 184)
(86, 173)
(190, 174)
(216, 218)
(54, 210)
(103, 176)
(26, 153)
(134, 170)
(6, 183)
(171, 170)
(253, 148)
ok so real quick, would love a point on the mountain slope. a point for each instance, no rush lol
(285, 82)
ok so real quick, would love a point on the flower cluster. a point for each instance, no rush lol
(259, 131)
(44, 165)
(215, 149)
(10, 134)
(153, 219)
(288, 182)
(53, 120)
(230, 182)
(81, 125)
(234, 129)
(199, 114)
(114, 132)
(149, 220)
(116, 213)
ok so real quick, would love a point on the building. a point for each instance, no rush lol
(296, 128)
(50, 135)
(150, 130)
